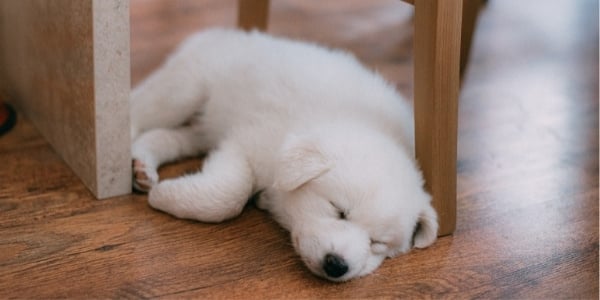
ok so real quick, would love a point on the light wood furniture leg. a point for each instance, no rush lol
(469, 18)
(436, 80)
(253, 14)
(65, 64)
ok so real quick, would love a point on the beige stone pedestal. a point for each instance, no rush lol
(65, 65)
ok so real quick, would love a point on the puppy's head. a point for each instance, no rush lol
(350, 202)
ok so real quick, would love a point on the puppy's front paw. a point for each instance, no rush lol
(144, 177)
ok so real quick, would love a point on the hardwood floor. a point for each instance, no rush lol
(527, 174)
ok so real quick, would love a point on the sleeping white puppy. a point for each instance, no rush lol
(327, 143)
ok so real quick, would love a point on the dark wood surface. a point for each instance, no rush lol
(527, 174)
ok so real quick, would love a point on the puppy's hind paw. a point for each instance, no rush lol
(144, 177)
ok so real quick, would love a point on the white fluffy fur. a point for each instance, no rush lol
(329, 144)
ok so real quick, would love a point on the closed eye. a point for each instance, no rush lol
(341, 213)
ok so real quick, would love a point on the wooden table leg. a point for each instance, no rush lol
(469, 18)
(253, 14)
(437, 77)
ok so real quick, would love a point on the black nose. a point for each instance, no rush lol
(334, 266)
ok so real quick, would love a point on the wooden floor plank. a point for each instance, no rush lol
(527, 174)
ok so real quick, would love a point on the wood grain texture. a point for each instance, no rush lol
(67, 67)
(436, 82)
(527, 174)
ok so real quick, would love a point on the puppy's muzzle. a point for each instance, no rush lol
(334, 266)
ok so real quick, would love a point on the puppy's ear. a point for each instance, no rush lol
(426, 228)
(300, 161)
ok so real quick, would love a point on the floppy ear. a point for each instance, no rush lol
(300, 161)
(426, 228)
